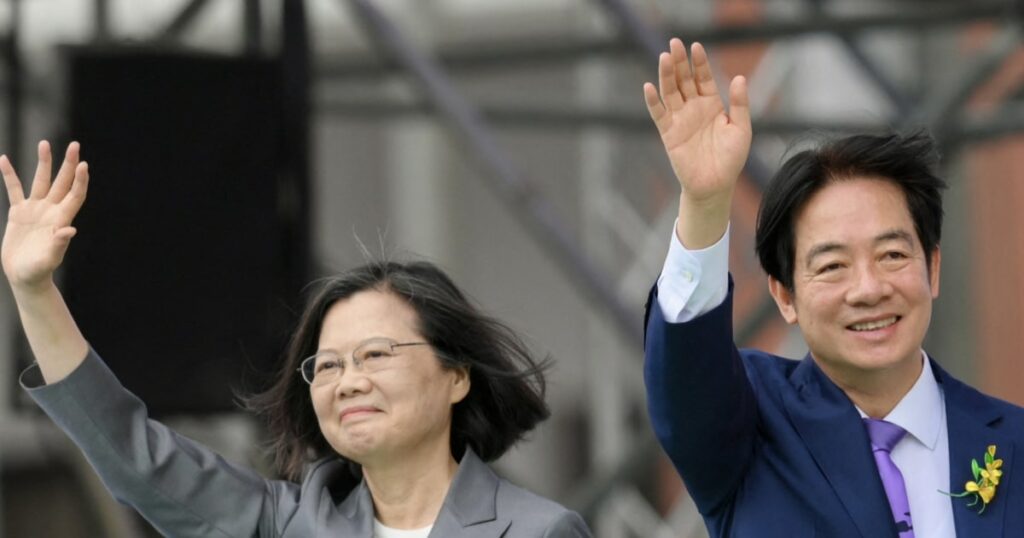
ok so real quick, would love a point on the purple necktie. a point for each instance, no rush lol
(884, 436)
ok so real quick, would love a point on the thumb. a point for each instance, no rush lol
(739, 102)
(64, 234)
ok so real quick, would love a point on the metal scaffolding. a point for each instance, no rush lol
(615, 496)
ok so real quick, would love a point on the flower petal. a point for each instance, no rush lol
(987, 493)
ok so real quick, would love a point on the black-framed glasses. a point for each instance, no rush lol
(370, 356)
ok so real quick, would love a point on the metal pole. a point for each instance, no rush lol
(101, 21)
(551, 118)
(176, 27)
(507, 55)
(294, 65)
(938, 111)
(14, 82)
(651, 43)
(895, 95)
(252, 24)
(539, 217)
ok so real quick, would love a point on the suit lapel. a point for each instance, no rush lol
(832, 430)
(471, 506)
(971, 420)
(353, 517)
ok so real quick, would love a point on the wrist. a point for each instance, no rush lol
(27, 291)
(702, 222)
(709, 202)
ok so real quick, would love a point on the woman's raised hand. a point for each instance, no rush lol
(39, 227)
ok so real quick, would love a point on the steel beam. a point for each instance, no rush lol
(984, 127)
(181, 21)
(560, 118)
(12, 59)
(101, 21)
(647, 39)
(939, 111)
(498, 55)
(896, 96)
(651, 43)
(539, 217)
(252, 26)
(294, 63)
(15, 82)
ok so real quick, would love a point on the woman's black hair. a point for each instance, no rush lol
(506, 395)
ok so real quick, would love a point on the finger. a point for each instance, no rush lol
(739, 102)
(684, 77)
(15, 194)
(66, 174)
(702, 71)
(662, 119)
(41, 182)
(76, 196)
(667, 82)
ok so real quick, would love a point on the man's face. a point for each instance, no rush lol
(862, 290)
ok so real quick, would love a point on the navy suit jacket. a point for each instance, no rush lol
(771, 447)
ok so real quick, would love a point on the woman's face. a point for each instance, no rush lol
(372, 417)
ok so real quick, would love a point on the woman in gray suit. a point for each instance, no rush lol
(393, 394)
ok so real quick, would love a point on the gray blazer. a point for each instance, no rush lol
(186, 490)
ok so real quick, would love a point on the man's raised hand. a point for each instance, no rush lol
(39, 227)
(706, 146)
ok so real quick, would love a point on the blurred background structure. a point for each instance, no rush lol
(240, 148)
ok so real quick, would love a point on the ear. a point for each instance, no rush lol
(933, 271)
(459, 384)
(783, 299)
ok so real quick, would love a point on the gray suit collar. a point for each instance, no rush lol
(470, 508)
(472, 496)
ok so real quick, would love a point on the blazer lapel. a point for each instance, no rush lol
(972, 420)
(353, 517)
(832, 430)
(471, 506)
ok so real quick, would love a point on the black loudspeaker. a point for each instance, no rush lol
(188, 262)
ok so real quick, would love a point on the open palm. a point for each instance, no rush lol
(706, 146)
(39, 227)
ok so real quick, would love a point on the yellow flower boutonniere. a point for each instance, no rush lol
(983, 487)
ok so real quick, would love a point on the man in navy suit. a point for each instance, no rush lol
(865, 437)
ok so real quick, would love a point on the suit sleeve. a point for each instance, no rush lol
(700, 401)
(178, 485)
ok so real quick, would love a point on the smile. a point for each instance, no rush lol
(875, 325)
(355, 412)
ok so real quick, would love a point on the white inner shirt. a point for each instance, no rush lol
(382, 531)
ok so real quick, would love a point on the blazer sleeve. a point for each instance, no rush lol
(700, 401)
(178, 485)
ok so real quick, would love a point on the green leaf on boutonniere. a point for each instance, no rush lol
(988, 458)
(976, 470)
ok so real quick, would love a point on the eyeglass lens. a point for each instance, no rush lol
(328, 366)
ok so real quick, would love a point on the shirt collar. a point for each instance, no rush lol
(920, 412)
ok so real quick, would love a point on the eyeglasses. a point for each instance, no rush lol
(371, 356)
